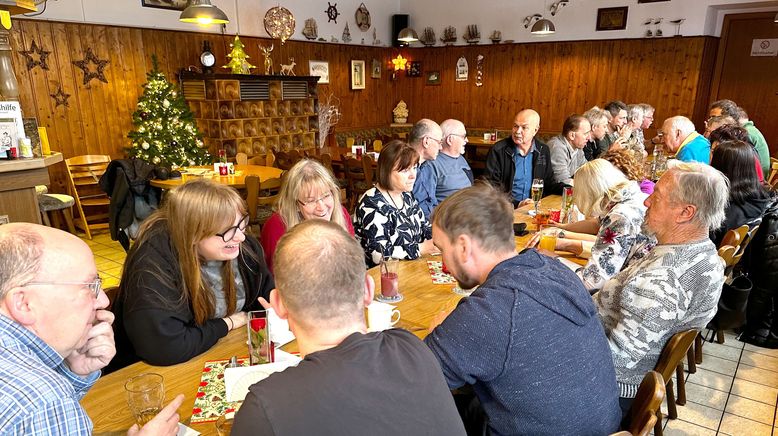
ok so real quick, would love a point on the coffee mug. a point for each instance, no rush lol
(381, 316)
(487, 136)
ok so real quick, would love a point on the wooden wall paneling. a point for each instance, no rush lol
(707, 66)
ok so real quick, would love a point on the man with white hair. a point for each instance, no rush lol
(426, 137)
(450, 169)
(676, 286)
(679, 137)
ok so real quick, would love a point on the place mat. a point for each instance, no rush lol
(209, 402)
(438, 276)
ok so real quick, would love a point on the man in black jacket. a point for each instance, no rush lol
(513, 162)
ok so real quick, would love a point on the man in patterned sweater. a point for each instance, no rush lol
(677, 285)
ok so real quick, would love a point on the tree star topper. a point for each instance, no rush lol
(60, 97)
(332, 12)
(98, 74)
(36, 56)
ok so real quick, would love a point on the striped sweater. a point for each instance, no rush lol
(673, 288)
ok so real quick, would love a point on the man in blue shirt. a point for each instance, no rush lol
(426, 137)
(679, 137)
(55, 334)
(450, 169)
(513, 162)
(529, 314)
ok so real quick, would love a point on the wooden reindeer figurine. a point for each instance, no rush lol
(268, 62)
(288, 70)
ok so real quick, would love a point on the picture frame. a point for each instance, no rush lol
(652, 1)
(433, 77)
(175, 5)
(320, 69)
(414, 69)
(612, 18)
(357, 74)
(375, 69)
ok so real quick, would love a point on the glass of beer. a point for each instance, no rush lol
(145, 395)
(547, 239)
(537, 192)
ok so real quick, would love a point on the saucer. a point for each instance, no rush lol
(395, 299)
(531, 212)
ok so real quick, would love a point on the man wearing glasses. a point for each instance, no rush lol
(450, 169)
(426, 137)
(55, 334)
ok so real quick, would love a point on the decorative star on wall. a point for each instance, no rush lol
(60, 98)
(36, 56)
(89, 74)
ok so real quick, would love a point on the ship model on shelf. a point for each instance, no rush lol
(472, 35)
(310, 30)
(496, 37)
(428, 37)
(449, 35)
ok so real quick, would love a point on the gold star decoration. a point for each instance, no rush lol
(60, 97)
(90, 74)
(36, 56)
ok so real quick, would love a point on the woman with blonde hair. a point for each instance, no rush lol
(309, 191)
(613, 234)
(189, 278)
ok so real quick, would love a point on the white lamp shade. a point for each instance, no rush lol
(407, 35)
(543, 27)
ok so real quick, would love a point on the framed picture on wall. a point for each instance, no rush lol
(357, 74)
(176, 5)
(414, 69)
(652, 1)
(612, 18)
(321, 69)
(375, 69)
(433, 77)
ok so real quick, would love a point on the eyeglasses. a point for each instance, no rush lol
(439, 141)
(94, 286)
(313, 203)
(409, 169)
(228, 234)
(463, 136)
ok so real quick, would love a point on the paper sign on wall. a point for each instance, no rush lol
(764, 47)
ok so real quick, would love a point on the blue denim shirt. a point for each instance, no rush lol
(522, 180)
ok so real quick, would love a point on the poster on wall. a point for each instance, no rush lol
(320, 69)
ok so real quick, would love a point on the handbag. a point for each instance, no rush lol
(731, 312)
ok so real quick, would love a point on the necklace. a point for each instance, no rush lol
(389, 195)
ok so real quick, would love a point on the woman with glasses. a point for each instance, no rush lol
(309, 191)
(190, 277)
(389, 221)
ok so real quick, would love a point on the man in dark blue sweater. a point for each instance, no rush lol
(528, 339)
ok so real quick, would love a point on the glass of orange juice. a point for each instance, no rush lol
(547, 239)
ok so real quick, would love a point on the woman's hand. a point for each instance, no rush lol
(535, 240)
(427, 247)
(236, 320)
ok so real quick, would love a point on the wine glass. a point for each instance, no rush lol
(537, 193)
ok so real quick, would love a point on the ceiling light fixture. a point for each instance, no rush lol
(203, 12)
(541, 27)
(407, 35)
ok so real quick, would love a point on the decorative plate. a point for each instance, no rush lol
(279, 23)
(362, 16)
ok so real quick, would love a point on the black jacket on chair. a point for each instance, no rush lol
(126, 181)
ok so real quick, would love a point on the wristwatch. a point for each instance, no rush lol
(560, 234)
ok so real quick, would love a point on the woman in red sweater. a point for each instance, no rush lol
(309, 191)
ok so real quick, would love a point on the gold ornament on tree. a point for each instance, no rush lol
(279, 23)
(238, 56)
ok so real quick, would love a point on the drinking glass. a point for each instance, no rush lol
(390, 280)
(537, 192)
(547, 239)
(567, 202)
(145, 395)
(260, 347)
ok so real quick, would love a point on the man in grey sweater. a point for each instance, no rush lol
(677, 285)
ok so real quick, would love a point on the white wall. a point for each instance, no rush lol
(246, 16)
(575, 21)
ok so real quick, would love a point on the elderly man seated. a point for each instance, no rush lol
(55, 334)
(567, 153)
(676, 286)
(679, 137)
(350, 382)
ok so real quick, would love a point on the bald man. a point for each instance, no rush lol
(55, 334)
(513, 162)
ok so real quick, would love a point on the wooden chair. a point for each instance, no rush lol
(378, 145)
(350, 141)
(772, 177)
(268, 159)
(671, 360)
(260, 198)
(84, 173)
(357, 178)
(326, 161)
(642, 416)
(241, 159)
(51, 203)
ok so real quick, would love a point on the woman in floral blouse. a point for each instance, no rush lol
(612, 236)
(388, 221)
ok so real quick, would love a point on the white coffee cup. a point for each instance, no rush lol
(381, 316)
(487, 136)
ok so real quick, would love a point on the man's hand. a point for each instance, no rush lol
(165, 423)
(98, 349)
(524, 202)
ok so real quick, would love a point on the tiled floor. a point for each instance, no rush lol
(734, 392)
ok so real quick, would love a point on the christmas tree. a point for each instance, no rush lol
(165, 131)
(238, 56)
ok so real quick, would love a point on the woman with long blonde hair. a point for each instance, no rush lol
(309, 191)
(190, 277)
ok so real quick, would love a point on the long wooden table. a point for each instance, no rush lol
(106, 403)
(237, 181)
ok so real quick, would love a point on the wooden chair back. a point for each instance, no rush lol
(350, 141)
(671, 360)
(260, 194)
(738, 238)
(368, 163)
(641, 417)
(241, 159)
(356, 179)
(772, 177)
(84, 174)
(267, 159)
(378, 145)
